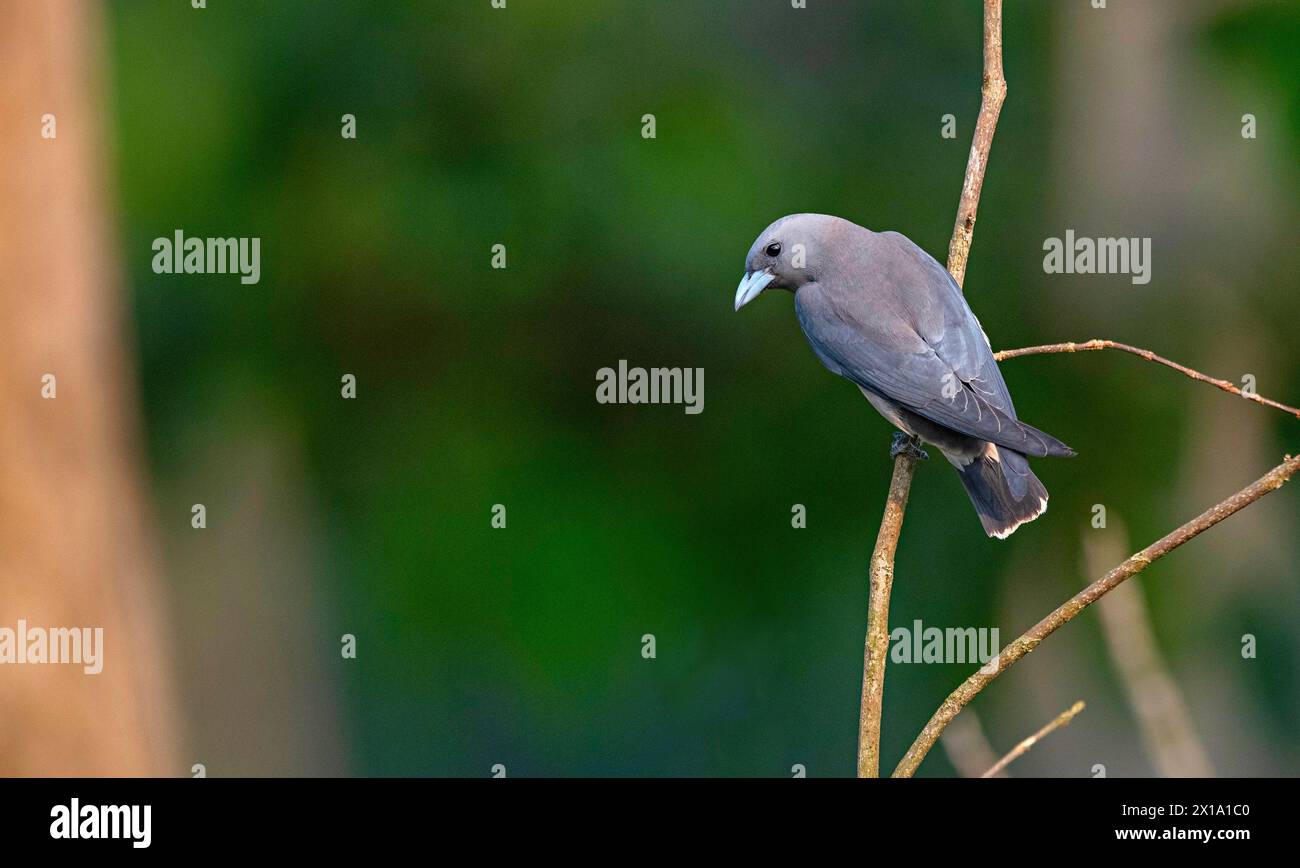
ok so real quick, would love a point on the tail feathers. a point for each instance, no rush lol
(1005, 492)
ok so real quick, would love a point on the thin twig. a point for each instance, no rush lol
(876, 647)
(1027, 642)
(1100, 344)
(1063, 719)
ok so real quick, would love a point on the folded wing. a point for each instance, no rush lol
(931, 357)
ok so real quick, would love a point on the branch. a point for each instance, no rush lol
(993, 92)
(877, 645)
(1063, 719)
(971, 687)
(1099, 344)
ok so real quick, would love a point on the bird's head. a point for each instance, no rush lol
(785, 255)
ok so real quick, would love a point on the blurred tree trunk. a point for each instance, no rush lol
(75, 544)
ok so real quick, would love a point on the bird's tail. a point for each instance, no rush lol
(1006, 493)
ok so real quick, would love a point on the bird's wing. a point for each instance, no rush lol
(923, 348)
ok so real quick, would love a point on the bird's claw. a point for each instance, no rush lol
(905, 444)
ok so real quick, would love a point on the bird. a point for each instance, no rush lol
(884, 314)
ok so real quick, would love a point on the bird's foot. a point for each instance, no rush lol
(906, 444)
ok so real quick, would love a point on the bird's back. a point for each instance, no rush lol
(896, 295)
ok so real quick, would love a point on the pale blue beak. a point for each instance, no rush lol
(751, 285)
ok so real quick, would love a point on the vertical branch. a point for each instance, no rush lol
(876, 648)
(877, 644)
(993, 93)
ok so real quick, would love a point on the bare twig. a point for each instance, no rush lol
(876, 648)
(1027, 642)
(1063, 719)
(1099, 344)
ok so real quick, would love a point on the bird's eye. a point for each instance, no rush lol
(773, 249)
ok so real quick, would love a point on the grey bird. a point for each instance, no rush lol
(881, 312)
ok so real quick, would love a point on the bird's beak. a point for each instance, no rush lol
(751, 285)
